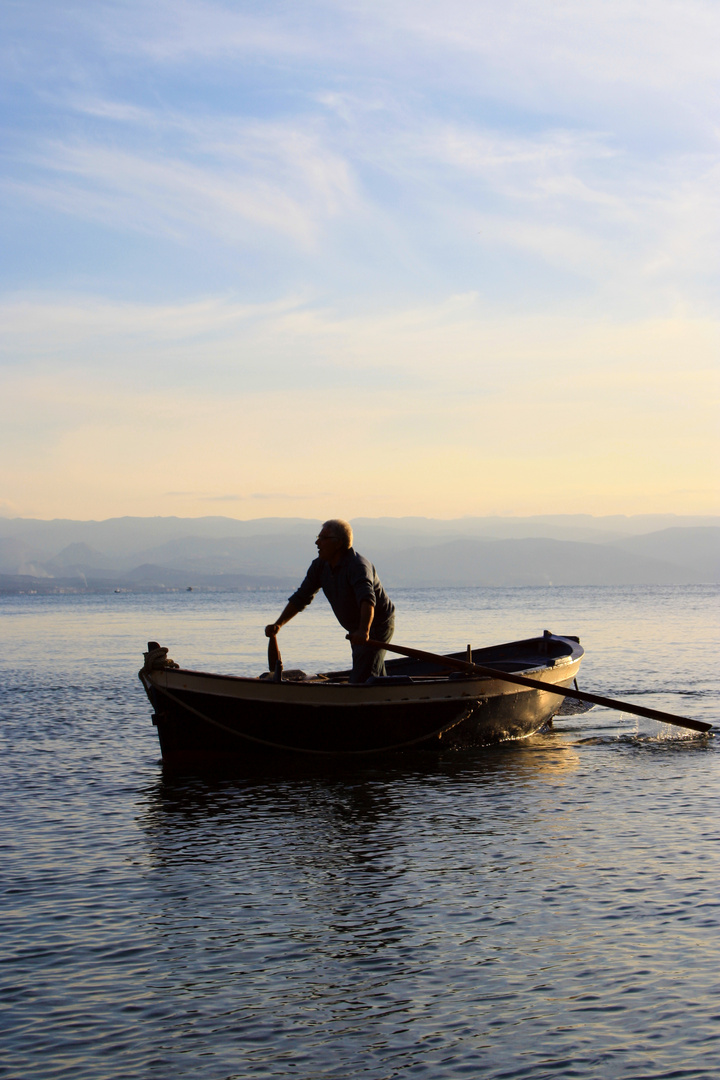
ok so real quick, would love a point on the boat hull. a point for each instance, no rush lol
(208, 721)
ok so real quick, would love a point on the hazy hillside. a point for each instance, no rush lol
(698, 547)
(584, 527)
(527, 562)
(122, 536)
(262, 554)
(226, 553)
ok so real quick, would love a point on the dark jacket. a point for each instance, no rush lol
(346, 586)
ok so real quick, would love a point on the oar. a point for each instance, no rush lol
(275, 663)
(522, 680)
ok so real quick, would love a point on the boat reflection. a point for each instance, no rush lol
(321, 809)
(345, 866)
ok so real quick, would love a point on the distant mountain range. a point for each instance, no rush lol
(224, 553)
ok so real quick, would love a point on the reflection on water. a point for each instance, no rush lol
(542, 909)
(501, 911)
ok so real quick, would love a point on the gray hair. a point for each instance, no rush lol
(341, 531)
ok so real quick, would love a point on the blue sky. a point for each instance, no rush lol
(359, 258)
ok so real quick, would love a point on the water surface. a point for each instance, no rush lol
(541, 909)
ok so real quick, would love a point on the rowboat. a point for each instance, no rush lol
(212, 721)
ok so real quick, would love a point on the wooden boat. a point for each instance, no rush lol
(208, 721)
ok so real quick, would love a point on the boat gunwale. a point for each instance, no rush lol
(323, 692)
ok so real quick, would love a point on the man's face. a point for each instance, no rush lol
(328, 545)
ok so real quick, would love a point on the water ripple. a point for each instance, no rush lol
(543, 910)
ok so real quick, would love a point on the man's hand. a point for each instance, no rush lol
(272, 630)
(359, 637)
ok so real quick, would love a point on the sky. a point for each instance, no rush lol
(348, 258)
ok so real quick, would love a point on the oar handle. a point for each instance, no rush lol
(536, 684)
(274, 658)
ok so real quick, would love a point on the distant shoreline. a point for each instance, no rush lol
(215, 553)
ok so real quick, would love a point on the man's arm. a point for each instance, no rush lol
(289, 612)
(299, 599)
(367, 614)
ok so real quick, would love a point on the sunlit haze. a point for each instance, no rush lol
(340, 259)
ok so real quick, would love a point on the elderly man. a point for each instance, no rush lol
(356, 596)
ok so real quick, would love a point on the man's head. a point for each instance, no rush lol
(334, 539)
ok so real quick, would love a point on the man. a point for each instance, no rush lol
(356, 596)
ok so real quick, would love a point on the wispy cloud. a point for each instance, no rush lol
(619, 57)
(616, 41)
(234, 498)
(259, 178)
(259, 495)
(427, 243)
(568, 199)
(173, 31)
(63, 326)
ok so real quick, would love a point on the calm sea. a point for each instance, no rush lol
(541, 909)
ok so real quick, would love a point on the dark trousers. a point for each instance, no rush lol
(368, 662)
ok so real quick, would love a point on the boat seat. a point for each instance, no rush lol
(515, 665)
(389, 680)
